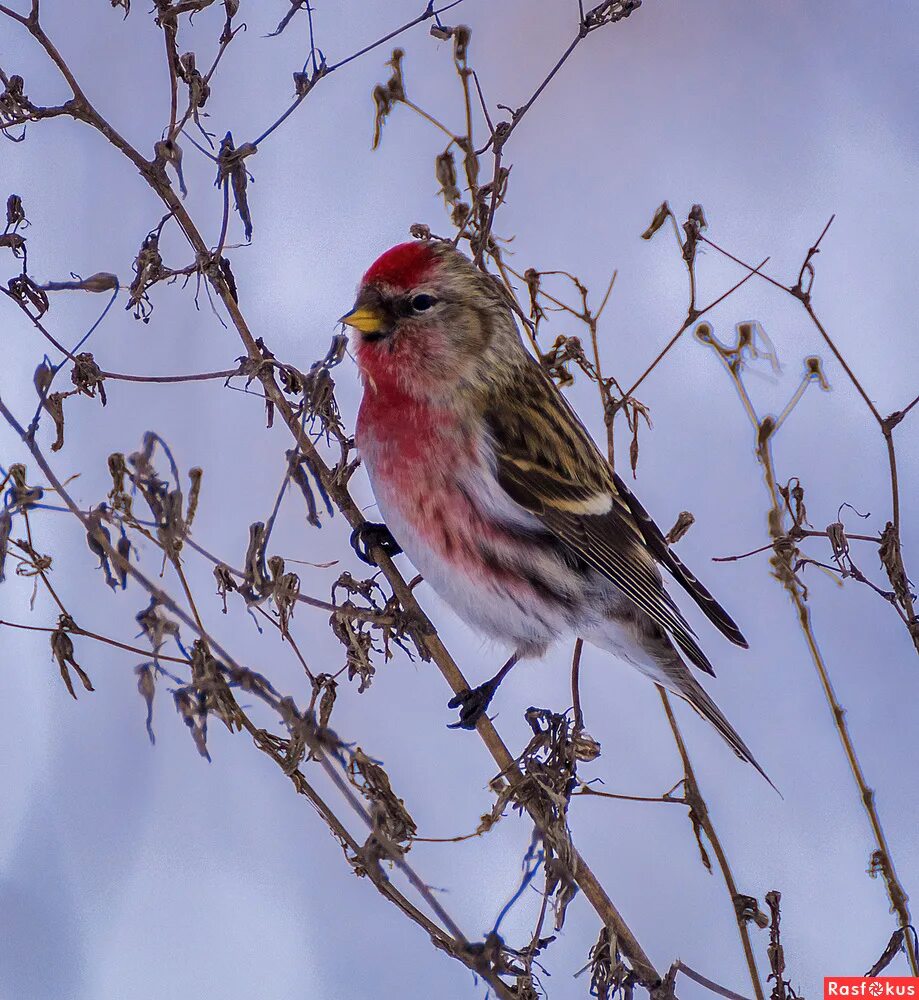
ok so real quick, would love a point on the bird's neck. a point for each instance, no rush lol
(404, 373)
(403, 404)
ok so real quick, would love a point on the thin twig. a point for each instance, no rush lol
(700, 810)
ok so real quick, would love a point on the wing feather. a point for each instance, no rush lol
(548, 463)
(687, 580)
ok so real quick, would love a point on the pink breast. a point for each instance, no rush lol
(419, 455)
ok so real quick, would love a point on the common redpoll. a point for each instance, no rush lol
(487, 478)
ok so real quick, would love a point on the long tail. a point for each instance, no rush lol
(632, 636)
(691, 691)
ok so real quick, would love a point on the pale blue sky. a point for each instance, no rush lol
(136, 873)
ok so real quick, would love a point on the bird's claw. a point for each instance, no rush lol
(472, 704)
(370, 535)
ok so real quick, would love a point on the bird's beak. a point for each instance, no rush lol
(364, 318)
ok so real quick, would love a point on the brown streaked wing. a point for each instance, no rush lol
(549, 464)
(667, 557)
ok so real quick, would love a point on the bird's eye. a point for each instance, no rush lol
(421, 303)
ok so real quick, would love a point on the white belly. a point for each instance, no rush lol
(480, 601)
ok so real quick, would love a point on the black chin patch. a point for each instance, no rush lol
(377, 335)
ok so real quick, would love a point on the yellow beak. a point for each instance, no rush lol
(364, 318)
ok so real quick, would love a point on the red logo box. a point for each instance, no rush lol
(876, 988)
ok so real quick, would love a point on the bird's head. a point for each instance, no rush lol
(424, 318)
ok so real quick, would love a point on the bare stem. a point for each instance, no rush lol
(783, 570)
(700, 811)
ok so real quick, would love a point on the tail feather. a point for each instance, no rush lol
(693, 693)
(637, 639)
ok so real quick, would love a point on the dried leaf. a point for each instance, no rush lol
(392, 822)
(814, 369)
(186, 703)
(257, 582)
(213, 691)
(20, 495)
(747, 909)
(119, 499)
(102, 281)
(896, 944)
(385, 96)
(194, 476)
(24, 290)
(836, 532)
(87, 376)
(327, 701)
(445, 172)
(231, 165)
(660, 217)
(225, 582)
(6, 525)
(697, 830)
(99, 540)
(62, 651)
(169, 151)
(54, 407)
(123, 548)
(148, 269)
(586, 748)
(146, 685)
(285, 591)
(462, 36)
(15, 213)
(155, 626)
(892, 561)
(608, 974)
(14, 242)
(683, 523)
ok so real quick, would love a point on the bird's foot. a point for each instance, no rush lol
(472, 704)
(370, 535)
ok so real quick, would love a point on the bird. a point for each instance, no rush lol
(489, 482)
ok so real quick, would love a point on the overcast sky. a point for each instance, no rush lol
(136, 873)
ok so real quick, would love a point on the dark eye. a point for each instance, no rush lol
(420, 303)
